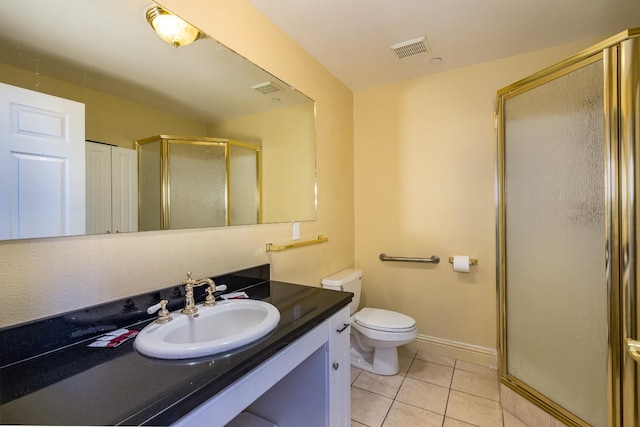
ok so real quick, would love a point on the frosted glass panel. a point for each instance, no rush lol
(197, 185)
(243, 185)
(149, 186)
(555, 241)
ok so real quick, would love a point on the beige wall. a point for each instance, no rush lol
(48, 276)
(424, 184)
(109, 118)
(287, 139)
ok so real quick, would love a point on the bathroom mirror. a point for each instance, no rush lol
(133, 85)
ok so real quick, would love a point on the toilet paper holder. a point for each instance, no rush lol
(472, 261)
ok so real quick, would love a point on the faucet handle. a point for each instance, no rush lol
(210, 299)
(163, 315)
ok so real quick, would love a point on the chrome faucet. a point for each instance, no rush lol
(189, 302)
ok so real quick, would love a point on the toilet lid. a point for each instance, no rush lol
(384, 320)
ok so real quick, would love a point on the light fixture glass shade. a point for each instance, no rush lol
(170, 28)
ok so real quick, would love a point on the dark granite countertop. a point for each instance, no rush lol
(69, 383)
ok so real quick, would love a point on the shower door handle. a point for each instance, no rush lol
(633, 348)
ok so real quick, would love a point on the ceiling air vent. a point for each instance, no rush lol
(266, 88)
(411, 48)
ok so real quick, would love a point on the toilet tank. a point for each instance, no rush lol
(348, 280)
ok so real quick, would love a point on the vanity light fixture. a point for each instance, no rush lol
(170, 28)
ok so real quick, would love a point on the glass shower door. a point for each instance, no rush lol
(554, 243)
(197, 175)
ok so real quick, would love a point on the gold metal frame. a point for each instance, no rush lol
(613, 243)
(572, 60)
(620, 234)
(227, 186)
(629, 137)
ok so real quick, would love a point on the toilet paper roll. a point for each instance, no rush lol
(461, 263)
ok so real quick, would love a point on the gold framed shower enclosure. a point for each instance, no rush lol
(192, 182)
(539, 218)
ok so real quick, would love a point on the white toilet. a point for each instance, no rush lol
(376, 334)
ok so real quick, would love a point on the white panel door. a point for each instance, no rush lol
(124, 187)
(42, 171)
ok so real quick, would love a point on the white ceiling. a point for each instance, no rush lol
(352, 38)
(121, 55)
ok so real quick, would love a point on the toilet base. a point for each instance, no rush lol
(381, 361)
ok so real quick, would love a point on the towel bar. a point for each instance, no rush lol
(270, 247)
(435, 259)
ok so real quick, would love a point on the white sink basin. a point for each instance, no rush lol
(223, 327)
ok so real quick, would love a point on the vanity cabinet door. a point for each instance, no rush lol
(339, 384)
(340, 325)
(339, 369)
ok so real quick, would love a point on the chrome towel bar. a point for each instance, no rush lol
(434, 259)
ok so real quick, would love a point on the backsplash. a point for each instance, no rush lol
(43, 335)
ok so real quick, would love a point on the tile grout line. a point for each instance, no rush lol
(446, 406)
(404, 377)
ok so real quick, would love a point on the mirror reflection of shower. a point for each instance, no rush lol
(200, 181)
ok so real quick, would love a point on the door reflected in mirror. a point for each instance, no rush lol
(132, 85)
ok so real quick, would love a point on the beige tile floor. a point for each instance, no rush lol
(429, 391)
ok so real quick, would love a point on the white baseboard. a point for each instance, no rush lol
(468, 352)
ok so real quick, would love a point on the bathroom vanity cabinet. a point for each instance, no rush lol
(306, 384)
(297, 375)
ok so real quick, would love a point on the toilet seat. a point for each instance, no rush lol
(384, 320)
(375, 334)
